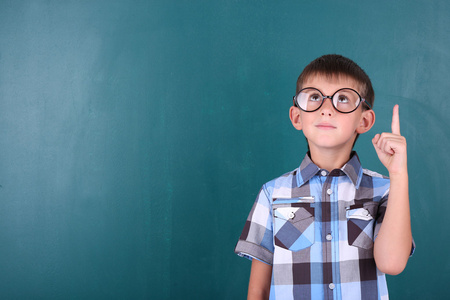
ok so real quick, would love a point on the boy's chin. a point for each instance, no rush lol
(331, 146)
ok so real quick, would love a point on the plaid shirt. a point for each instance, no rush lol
(317, 229)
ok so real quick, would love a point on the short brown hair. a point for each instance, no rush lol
(335, 65)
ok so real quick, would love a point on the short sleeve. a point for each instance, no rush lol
(380, 217)
(380, 214)
(256, 240)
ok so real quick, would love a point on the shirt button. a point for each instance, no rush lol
(323, 173)
(291, 215)
(329, 237)
(329, 192)
(331, 286)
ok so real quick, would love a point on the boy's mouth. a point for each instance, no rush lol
(325, 126)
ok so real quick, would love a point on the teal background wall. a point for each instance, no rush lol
(135, 135)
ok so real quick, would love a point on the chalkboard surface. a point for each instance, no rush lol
(135, 135)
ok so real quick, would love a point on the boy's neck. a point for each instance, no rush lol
(330, 159)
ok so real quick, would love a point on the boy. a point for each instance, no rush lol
(326, 230)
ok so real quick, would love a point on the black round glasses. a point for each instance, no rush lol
(344, 100)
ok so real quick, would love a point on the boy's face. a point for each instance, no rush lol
(326, 128)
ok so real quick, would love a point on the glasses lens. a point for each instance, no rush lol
(346, 100)
(309, 99)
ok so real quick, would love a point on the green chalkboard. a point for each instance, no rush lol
(135, 135)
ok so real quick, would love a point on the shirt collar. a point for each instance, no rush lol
(352, 169)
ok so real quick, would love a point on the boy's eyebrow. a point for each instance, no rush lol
(334, 91)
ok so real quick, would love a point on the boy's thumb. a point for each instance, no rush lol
(376, 138)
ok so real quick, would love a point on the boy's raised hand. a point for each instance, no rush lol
(391, 147)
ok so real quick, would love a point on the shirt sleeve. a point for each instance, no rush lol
(380, 214)
(380, 217)
(256, 240)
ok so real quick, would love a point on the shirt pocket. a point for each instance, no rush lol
(361, 224)
(294, 223)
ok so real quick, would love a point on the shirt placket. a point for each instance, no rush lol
(329, 234)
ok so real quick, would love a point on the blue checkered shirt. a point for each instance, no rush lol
(317, 229)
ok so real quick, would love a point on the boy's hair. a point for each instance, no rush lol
(335, 65)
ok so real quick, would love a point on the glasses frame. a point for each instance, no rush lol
(361, 100)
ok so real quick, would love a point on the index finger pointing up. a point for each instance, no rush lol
(395, 121)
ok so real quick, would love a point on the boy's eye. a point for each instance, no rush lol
(342, 99)
(315, 98)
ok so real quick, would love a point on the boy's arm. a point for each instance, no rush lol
(393, 244)
(260, 277)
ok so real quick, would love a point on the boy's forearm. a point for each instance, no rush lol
(393, 244)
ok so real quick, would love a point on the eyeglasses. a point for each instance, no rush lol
(344, 100)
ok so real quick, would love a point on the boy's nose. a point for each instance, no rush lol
(327, 108)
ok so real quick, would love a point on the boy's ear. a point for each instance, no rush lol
(294, 115)
(366, 122)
